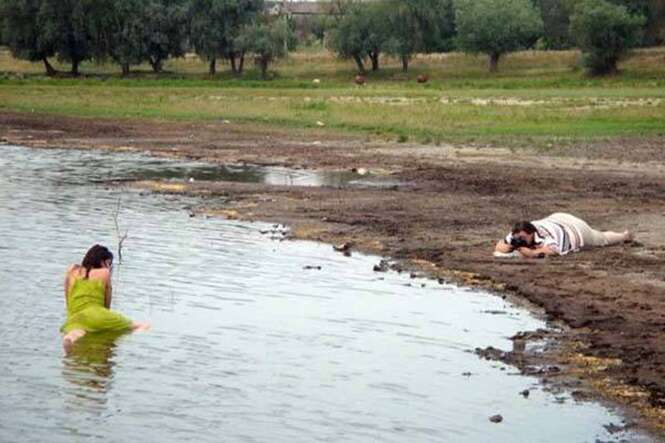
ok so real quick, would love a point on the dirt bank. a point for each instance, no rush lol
(453, 204)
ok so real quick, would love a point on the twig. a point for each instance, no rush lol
(121, 238)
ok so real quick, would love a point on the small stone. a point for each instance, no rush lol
(343, 247)
(383, 266)
(496, 418)
(525, 393)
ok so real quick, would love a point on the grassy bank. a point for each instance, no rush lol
(538, 97)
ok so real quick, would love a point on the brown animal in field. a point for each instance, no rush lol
(422, 78)
(360, 80)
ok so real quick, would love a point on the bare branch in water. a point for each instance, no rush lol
(121, 237)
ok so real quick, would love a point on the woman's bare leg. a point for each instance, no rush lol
(140, 326)
(615, 238)
(71, 337)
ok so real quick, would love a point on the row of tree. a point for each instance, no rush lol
(604, 30)
(131, 32)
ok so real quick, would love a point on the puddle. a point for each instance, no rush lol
(246, 343)
(100, 166)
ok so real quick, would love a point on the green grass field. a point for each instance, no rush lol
(536, 98)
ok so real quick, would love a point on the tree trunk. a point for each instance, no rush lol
(75, 67)
(125, 69)
(263, 62)
(494, 62)
(232, 59)
(374, 56)
(405, 63)
(49, 69)
(361, 65)
(612, 66)
(212, 67)
(241, 64)
(156, 64)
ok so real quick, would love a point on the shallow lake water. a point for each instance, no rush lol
(247, 345)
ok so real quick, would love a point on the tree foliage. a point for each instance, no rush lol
(654, 12)
(361, 33)
(122, 34)
(605, 32)
(404, 35)
(267, 39)
(215, 26)
(65, 25)
(164, 30)
(436, 24)
(20, 32)
(556, 23)
(496, 27)
(131, 32)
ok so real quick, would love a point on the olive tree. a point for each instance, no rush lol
(436, 24)
(361, 33)
(605, 32)
(214, 26)
(418, 26)
(404, 36)
(20, 32)
(496, 27)
(119, 33)
(164, 30)
(65, 26)
(267, 39)
(209, 30)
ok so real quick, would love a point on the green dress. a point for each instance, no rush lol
(86, 310)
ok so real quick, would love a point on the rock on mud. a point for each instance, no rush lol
(498, 418)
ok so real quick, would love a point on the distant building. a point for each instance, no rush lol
(299, 9)
(304, 14)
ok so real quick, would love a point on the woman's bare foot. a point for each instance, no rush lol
(141, 326)
(69, 339)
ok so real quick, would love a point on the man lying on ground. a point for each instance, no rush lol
(558, 234)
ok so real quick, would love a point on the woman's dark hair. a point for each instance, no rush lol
(95, 257)
(525, 226)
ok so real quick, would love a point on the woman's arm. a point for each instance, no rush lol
(503, 247)
(67, 283)
(540, 252)
(108, 293)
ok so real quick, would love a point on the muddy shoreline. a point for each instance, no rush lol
(454, 202)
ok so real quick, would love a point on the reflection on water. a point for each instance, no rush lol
(89, 370)
(251, 340)
(131, 166)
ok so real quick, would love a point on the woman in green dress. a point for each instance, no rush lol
(88, 298)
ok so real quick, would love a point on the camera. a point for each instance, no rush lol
(517, 242)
